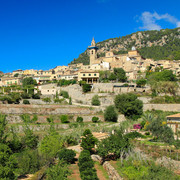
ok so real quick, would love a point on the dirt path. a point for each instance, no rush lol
(75, 172)
(99, 173)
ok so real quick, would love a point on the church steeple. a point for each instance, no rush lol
(93, 52)
(93, 43)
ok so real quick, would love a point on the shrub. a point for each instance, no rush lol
(86, 88)
(70, 101)
(70, 140)
(47, 100)
(25, 96)
(67, 155)
(110, 114)
(64, 94)
(86, 166)
(25, 101)
(36, 96)
(147, 133)
(95, 119)
(133, 135)
(59, 171)
(57, 100)
(64, 119)
(129, 105)
(88, 141)
(114, 145)
(95, 100)
(79, 119)
(28, 161)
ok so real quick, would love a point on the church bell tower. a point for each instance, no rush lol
(93, 52)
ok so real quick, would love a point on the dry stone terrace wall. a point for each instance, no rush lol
(163, 107)
(46, 109)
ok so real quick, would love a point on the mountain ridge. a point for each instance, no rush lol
(157, 45)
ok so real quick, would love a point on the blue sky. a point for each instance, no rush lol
(41, 34)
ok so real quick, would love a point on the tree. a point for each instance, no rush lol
(16, 75)
(165, 75)
(110, 114)
(25, 101)
(7, 163)
(79, 119)
(95, 100)
(141, 82)
(51, 144)
(88, 141)
(86, 88)
(59, 171)
(129, 105)
(115, 145)
(86, 166)
(47, 99)
(28, 81)
(3, 124)
(67, 155)
(112, 77)
(95, 119)
(120, 74)
(29, 140)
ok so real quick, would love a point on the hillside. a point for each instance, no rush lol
(158, 45)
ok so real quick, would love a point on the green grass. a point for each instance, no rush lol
(100, 167)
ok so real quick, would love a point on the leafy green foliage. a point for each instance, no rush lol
(7, 163)
(83, 58)
(129, 105)
(133, 135)
(110, 114)
(86, 88)
(36, 96)
(29, 140)
(47, 99)
(64, 118)
(86, 166)
(165, 75)
(64, 82)
(120, 74)
(88, 141)
(59, 171)
(79, 119)
(95, 119)
(95, 100)
(64, 94)
(28, 161)
(28, 81)
(135, 167)
(51, 144)
(115, 145)
(141, 82)
(67, 155)
(25, 101)
(25, 95)
(3, 123)
(27, 119)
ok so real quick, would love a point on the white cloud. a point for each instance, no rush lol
(149, 20)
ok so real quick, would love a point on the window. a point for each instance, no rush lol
(94, 74)
(89, 74)
(47, 90)
(83, 74)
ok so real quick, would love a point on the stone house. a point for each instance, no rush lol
(173, 121)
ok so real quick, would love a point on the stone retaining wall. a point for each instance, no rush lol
(46, 109)
(113, 174)
(163, 107)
